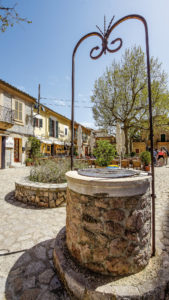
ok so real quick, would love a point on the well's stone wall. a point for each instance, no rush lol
(40, 194)
(109, 235)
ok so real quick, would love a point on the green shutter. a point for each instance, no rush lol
(50, 127)
(56, 129)
(40, 123)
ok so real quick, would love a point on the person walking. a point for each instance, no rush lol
(160, 157)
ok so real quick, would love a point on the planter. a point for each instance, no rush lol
(45, 195)
(147, 168)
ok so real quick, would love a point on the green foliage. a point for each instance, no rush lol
(120, 95)
(145, 157)
(35, 147)
(132, 154)
(104, 153)
(9, 16)
(51, 171)
(28, 160)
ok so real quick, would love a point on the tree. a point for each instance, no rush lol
(121, 95)
(9, 16)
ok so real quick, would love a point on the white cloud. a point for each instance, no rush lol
(60, 102)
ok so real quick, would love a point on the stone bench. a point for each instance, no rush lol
(40, 194)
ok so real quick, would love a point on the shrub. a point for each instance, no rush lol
(35, 147)
(50, 171)
(132, 154)
(145, 157)
(104, 153)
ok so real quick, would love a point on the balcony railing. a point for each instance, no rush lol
(7, 115)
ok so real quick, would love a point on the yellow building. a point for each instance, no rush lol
(54, 132)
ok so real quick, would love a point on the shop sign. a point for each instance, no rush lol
(9, 142)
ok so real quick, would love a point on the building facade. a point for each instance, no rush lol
(54, 132)
(161, 139)
(16, 124)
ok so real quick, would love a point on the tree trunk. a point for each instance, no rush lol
(126, 139)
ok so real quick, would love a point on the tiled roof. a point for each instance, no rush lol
(16, 89)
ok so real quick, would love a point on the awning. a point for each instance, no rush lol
(67, 144)
(59, 143)
(48, 142)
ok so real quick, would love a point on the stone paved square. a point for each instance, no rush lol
(23, 227)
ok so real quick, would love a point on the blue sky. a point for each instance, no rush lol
(41, 52)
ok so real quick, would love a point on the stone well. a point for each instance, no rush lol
(108, 225)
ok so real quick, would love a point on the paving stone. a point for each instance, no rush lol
(30, 294)
(34, 268)
(46, 276)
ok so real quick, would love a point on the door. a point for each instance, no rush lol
(86, 151)
(16, 150)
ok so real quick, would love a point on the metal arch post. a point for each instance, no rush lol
(104, 38)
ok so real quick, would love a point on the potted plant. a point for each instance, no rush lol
(104, 153)
(29, 161)
(146, 158)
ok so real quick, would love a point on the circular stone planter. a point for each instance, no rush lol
(108, 225)
(40, 194)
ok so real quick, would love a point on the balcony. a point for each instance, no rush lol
(6, 117)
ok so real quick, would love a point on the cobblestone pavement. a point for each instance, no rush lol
(22, 227)
(29, 274)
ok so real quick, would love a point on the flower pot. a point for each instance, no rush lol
(147, 168)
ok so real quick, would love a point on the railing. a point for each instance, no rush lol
(6, 115)
(160, 141)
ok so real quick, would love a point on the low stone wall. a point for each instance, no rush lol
(107, 233)
(40, 194)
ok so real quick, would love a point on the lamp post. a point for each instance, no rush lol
(104, 37)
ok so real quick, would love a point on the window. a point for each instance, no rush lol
(18, 110)
(51, 128)
(137, 151)
(57, 129)
(37, 122)
(162, 137)
(66, 131)
(40, 123)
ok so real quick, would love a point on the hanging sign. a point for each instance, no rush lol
(9, 142)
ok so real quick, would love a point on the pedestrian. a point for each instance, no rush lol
(155, 156)
(160, 157)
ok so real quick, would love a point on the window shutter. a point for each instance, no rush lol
(34, 122)
(50, 127)
(56, 129)
(40, 123)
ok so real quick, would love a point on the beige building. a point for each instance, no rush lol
(16, 124)
(161, 139)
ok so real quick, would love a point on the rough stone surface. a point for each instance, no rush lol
(40, 194)
(113, 237)
(35, 278)
(150, 283)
